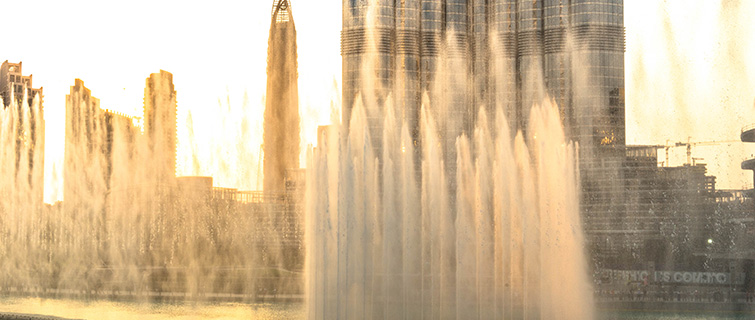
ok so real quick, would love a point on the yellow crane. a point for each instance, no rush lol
(689, 144)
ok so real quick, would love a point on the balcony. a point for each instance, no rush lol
(748, 164)
(748, 133)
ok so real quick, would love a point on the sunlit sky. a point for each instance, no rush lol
(690, 72)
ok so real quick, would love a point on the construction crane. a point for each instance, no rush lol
(689, 144)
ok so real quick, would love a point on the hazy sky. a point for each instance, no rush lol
(687, 73)
(690, 72)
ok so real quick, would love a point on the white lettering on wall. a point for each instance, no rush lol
(678, 277)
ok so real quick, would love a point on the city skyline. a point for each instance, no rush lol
(217, 63)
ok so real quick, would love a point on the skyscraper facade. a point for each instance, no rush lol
(281, 123)
(471, 55)
(513, 52)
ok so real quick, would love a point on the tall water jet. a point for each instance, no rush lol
(487, 223)
(22, 248)
(86, 165)
(281, 135)
(507, 54)
(102, 170)
(387, 245)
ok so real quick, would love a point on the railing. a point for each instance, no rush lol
(253, 196)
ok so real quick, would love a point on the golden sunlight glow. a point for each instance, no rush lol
(217, 54)
(689, 72)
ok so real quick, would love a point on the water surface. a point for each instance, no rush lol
(102, 309)
(133, 310)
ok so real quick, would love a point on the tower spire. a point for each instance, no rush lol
(281, 123)
(281, 10)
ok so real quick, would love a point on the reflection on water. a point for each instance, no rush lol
(78, 309)
(130, 310)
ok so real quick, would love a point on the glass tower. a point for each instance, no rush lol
(495, 53)
(281, 120)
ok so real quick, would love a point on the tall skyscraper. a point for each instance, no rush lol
(29, 122)
(95, 149)
(471, 54)
(585, 74)
(281, 125)
(160, 125)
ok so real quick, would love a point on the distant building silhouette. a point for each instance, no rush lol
(29, 144)
(124, 209)
(281, 125)
(97, 145)
(160, 124)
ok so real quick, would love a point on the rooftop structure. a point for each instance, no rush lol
(14, 83)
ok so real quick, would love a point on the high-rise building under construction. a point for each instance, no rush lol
(281, 123)
(471, 55)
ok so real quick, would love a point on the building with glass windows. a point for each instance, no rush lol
(504, 53)
(471, 55)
